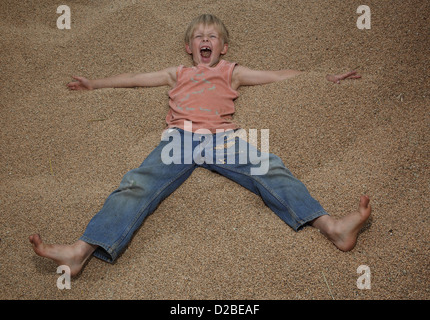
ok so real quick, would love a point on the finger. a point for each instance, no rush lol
(352, 76)
(73, 86)
(79, 79)
(348, 74)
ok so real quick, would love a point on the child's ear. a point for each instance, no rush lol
(225, 48)
(188, 49)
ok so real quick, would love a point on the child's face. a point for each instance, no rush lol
(206, 46)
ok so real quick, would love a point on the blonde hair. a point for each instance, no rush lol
(207, 20)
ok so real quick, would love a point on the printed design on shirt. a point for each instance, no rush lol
(198, 78)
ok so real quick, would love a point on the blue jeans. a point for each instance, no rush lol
(142, 189)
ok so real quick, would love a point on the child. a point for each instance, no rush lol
(202, 95)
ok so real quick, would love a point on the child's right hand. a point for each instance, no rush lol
(81, 83)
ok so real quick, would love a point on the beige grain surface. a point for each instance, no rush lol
(213, 239)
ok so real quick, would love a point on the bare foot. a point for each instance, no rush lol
(73, 256)
(344, 232)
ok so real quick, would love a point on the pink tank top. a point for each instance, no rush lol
(204, 96)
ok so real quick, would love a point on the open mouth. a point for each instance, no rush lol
(205, 52)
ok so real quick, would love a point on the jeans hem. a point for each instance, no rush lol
(103, 252)
(303, 223)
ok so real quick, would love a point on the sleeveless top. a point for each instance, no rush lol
(204, 96)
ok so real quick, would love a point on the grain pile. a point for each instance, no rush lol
(64, 152)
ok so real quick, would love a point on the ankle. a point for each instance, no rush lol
(325, 224)
(83, 250)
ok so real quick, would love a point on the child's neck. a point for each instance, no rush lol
(208, 66)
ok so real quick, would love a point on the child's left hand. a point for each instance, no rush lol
(337, 78)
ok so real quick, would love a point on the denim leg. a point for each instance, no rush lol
(138, 195)
(283, 193)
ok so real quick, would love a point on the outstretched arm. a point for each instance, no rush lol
(127, 80)
(243, 76)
